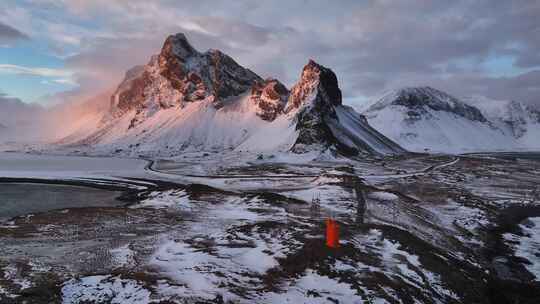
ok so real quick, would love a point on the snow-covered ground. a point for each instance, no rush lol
(527, 245)
(104, 289)
(240, 228)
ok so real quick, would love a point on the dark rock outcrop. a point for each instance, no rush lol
(323, 123)
(173, 65)
(314, 97)
(315, 77)
(130, 93)
(198, 76)
(270, 98)
(227, 77)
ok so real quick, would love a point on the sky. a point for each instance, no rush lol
(51, 50)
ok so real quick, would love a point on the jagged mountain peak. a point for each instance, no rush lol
(212, 73)
(180, 74)
(179, 46)
(322, 122)
(314, 80)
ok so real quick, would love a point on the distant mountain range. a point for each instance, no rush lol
(424, 118)
(184, 100)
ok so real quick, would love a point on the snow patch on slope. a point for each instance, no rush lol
(528, 245)
(311, 283)
(199, 126)
(104, 289)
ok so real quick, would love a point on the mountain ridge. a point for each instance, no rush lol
(424, 118)
(418, 97)
(187, 100)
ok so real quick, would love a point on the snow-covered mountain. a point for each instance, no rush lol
(424, 118)
(315, 105)
(186, 100)
(515, 118)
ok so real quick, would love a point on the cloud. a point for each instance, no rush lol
(522, 87)
(9, 34)
(372, 45)
(60, 75)
(14, 112)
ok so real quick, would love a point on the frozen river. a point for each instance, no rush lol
(24, 198)
(18, 197)
(21, 165)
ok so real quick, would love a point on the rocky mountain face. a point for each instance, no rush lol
(425, 118)
(270, 97)
(323, 122)
(178, 75)
(313, 99)
(317, 84)
(187, 100)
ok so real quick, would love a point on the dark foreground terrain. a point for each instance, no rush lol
(414, 229)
